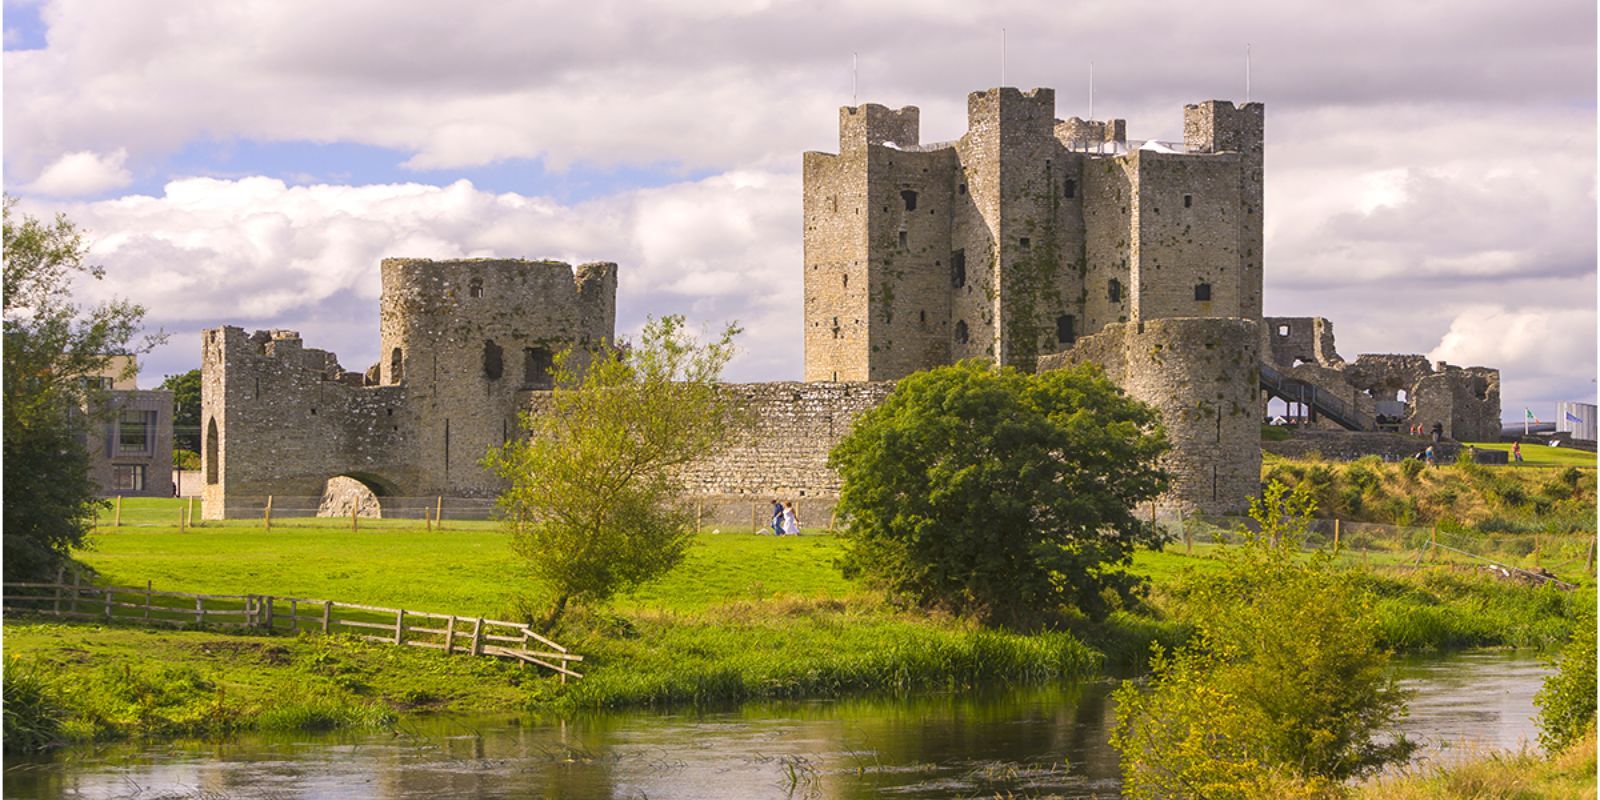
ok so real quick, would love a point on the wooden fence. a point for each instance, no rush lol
(267, 613)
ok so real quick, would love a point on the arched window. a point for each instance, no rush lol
(1202, 291)
(961, 332)
(475, 288)
(493, 360)
(958, 269)
(212, 448)
(1070, 188)
(910, 199)
(396, 366)
(1114, 290)
(1065, 333)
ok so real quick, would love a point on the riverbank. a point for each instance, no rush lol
(1526, 775)
(745, 617)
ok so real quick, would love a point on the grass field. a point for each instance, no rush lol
(1538, 455)
(743, 617)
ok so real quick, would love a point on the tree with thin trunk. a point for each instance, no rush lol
(595, 495)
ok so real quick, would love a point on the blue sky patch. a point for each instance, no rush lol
(24, 29)
(350, 164)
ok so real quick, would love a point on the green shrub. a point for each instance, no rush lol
(1275, 433)
(1411, 468)
(1283, 692)
(32, 712)
(1567, 701)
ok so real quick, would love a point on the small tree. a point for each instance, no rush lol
(54, 353)
(1567, 700)
(594, 490)
(185, 388)
(1283, 692)
(991, 491)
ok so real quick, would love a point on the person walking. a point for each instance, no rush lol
(777, 518)
(1429, 456)
(1438, 432)
(1516, 452)
(791, 523)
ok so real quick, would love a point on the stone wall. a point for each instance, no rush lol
(464, 343)
(1201, 375)
(1351, 445)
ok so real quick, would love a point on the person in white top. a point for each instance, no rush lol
(791, 523)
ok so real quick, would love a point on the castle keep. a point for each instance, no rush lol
(1023, 235)
(1030, 241)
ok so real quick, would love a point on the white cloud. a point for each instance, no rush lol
(258, 252)
(83, 173)
(1550, 351)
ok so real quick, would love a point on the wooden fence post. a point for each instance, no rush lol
(477, 637)
(438, 514)
(147, 599)
(189, 504)
(1433, 543)
(1336, 536)
(1588, 560)
(269, 612)
(355, 512)
(294, 615)
(327, 614)
(200, 610)
(266, 519)
(108, 602)
(755, 517)
(183, 518)
(399, 626)
(61, 576)
(116, 521)
(77, 589)
(450, 636)
(427, 518)
(699, 514)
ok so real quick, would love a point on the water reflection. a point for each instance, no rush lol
(1032, 742)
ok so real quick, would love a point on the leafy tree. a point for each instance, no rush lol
(185, 388)
(1282, 692)
(53, 348)
(1567, 700)
(990, 491)
(594, 489)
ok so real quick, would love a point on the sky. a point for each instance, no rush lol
(1430, 166)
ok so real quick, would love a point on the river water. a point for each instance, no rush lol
(1023, 742)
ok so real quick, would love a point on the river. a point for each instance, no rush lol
(1048, 741)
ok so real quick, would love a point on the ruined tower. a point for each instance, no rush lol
(1023, 235)
(464, 344)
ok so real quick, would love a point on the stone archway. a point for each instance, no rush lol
(359, 493)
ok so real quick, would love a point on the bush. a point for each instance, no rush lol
(1567, 700)
(1411, 468)
(1284, 691)
(32, 714)
(185, 459)
(1010, 496)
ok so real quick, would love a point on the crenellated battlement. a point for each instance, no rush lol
(871, 124)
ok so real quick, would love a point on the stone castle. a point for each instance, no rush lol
(1022, 235)
(1031, 241)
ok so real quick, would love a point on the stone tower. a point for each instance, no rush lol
(1023, 235)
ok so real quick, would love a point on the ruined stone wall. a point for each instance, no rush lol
(472, 336)
(1465, 400)
(1307, 339)
(280, 419)
(783, 455)
(1201, 375)
(1351, 445)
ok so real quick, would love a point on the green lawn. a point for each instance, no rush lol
(743, 617)
(1538, 455)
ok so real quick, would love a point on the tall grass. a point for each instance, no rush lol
(33, 714)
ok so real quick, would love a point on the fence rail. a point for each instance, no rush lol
(451, 633)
